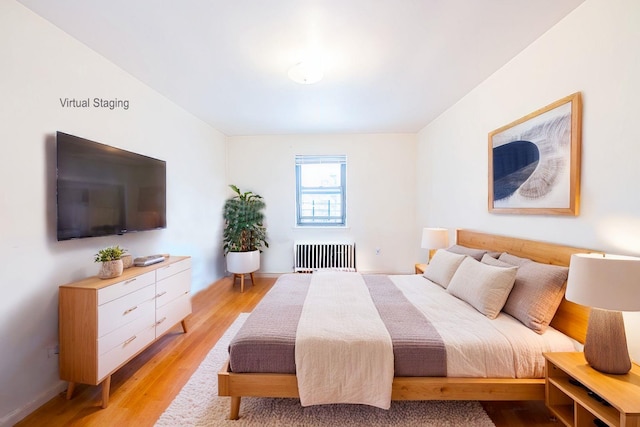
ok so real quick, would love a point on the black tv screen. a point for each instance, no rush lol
(103, 190)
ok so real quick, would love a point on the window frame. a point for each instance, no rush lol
(300, 161)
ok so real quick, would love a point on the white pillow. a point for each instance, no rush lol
(485, 287)
(442, 266)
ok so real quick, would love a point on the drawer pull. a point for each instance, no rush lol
(129, 281)
(161, 320)
(160, 294)
(130, 310)
(129, 340)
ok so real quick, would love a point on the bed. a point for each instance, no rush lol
(569, 319)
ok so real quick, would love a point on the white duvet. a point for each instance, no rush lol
(344, 353)
(476, 345)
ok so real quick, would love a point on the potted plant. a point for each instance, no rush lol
(111, 259)
(244, 231)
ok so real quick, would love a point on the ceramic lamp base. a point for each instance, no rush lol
(605, 347)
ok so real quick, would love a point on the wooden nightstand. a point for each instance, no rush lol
(420, 268)
(579, 395)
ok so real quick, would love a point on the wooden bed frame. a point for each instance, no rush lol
(570, 319)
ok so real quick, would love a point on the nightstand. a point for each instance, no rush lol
(579, 395)
(420, 268)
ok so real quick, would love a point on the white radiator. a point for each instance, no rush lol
(311, 256)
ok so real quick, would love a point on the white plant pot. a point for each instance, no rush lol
(243, 262)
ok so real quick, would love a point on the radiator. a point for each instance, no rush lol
(311, 256)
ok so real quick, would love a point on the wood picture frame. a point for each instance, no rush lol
(534, 162)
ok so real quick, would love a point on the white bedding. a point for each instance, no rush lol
(499, 348)
(343, 350)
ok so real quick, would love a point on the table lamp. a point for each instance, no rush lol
(434, 238)
(608, 284)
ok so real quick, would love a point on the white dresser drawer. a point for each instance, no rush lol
(146, 317)
(172, 287)
(172, 313)
(136, 341)
(171, 269)
(121, 311)
(125, 287)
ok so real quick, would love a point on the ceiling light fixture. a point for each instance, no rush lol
(306, 73)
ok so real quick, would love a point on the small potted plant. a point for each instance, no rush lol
(244, 231)
(111, 259)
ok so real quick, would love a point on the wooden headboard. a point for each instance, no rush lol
(571, 318)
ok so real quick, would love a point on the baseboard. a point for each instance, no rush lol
(16, 415)
(276, 275)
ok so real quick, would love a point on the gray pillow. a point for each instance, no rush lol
(491, 260)
(485, 287)
(537, 291)
(442, 267)
(476, 254)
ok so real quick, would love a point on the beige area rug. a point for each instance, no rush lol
(198, 404)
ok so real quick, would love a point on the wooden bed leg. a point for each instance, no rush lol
(235, 408)
(70, 389)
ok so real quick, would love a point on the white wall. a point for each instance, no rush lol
(41, 64)
(594, 50)
(381, 207)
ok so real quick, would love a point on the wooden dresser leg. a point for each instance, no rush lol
(235, 408)
(70, 389)
(106, 386)
(184, 326)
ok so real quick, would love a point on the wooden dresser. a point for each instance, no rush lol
(105, 323)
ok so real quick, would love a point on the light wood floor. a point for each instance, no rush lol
(142, 389)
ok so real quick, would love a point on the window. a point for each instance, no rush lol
(321, 190)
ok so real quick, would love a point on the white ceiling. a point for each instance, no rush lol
(389, 65)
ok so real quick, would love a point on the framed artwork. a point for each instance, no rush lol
(534, 162)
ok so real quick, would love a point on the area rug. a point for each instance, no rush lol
(198, 404)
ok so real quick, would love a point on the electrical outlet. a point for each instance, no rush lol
(53, 351)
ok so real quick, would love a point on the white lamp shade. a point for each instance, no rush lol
(610, 282)
(434, 238)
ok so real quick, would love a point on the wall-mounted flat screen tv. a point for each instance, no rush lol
(103, 190)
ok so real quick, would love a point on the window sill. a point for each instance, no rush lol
(321, 227)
